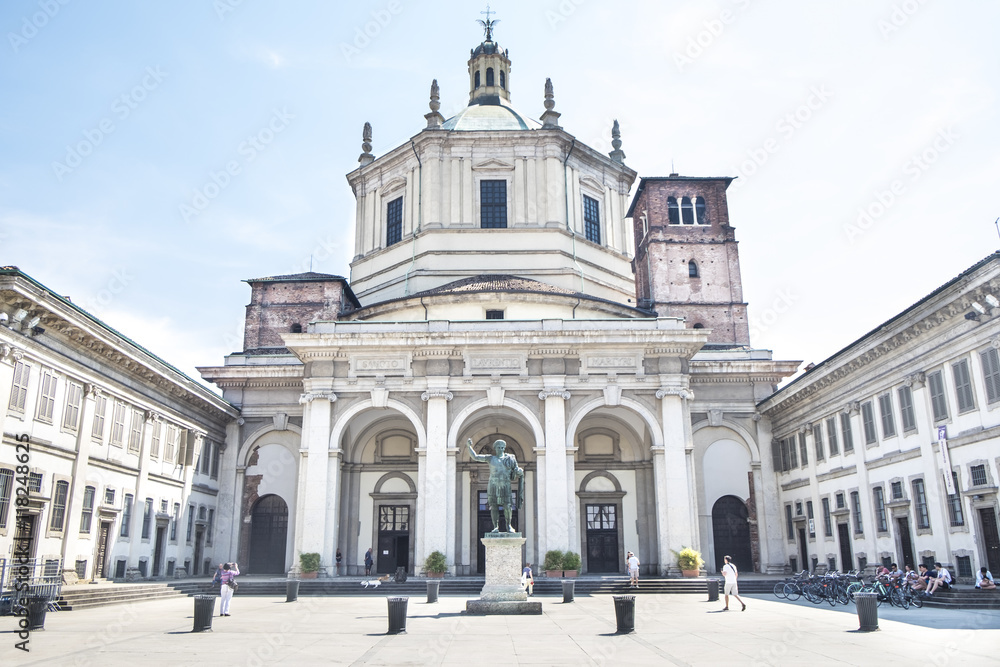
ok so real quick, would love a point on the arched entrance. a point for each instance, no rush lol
(731, 533)
(268, 535)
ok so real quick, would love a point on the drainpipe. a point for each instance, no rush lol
(420, 218)
(566, 197)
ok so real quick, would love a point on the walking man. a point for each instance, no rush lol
(730, 573)
(633, 570)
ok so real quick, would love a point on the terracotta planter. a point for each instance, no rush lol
(434, 575)
(690, 573)
(553, 574)
(570, 574)
(308, 575)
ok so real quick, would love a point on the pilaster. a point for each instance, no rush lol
(312, 511)
(435, 515)
(675, 507)
(557, 486)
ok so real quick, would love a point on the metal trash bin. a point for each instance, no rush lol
(292, 590)
(867, 611)
(569, 588)
(37, 606)
(625, 613)
(397, 615)
(433, 587)
(713, 590)
(204, 609)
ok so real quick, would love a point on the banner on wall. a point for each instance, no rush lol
(944, 458)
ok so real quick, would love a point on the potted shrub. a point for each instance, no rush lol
(435, 565)
(689, 561)
(309, 564)
(571, 564)
(553, 564)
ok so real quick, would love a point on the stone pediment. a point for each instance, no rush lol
(393, 184)
(493, 164)
(591, 182)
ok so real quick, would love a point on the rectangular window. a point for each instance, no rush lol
(868, 422)
(964, 566)
(216, 459)
(154, 440)
(190, 526)
(169, 451)
(897, 490)
(978, 474)
(19, 388)
(6, 488)
(906, 409)
(109, 497)
(939, 404)
(809, 515)
(955, 503)
(71, 415)
(991, 374)
(856, 512)
(135, 433)
(881, 523)
(174, 521)
(87, 511)
(35, 482)
(602, 517)
(494, 314)
(126, 515)
(118, 424)
(785, 461)
(840, 501)
(827, 519)
(818, 440)
(793, 455)
(492, 204)
(47, 395)
(885, 412)
(831, 435)
(798, 508)
(100, 408)
(211, 525)
(592, 219)
(845, 429)
(803, 450)
(920, 504)
(394, 222)
(963, 386)
(789, 526)
(147, 518)
(58, 517)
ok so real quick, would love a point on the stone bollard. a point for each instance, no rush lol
(867, 611)
(569, 588)
(397, 615)
(625, 613)
(713, 590)
(204, 609)
(433, 587)
(292, 590)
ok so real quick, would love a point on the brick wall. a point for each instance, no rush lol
(275, 307)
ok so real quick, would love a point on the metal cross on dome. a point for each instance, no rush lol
(488, 24)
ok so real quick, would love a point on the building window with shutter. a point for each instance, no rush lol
(493, 204)
(885, 412)
(868, 422)
(955, 503)
(856, 512)
(87, 512)
(6, 489)
(394, 222)
(19, 388)
(71, 414)
(939, 403)
(118, 424)
(920, 505)
(831, 435)
(963, 386)
(881, 522)
(46, 396)
(818, 441)
(147, 518)
(100, 409)
(58, 517)
(991, 374)
(592, 219)
(845, 429)
(827, 519)
(126, 515)
(906, 412)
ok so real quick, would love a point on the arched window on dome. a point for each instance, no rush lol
(296, 328)
(673, 212)
(687, 211)
(489, 77)
(698, 325)
(701, 217)
(692, 269)
(503, 79)
(477, 78)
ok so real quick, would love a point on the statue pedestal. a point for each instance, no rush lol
(502, 593)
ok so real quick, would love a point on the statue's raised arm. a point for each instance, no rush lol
(482, 458)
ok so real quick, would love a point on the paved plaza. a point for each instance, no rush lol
(670, 630)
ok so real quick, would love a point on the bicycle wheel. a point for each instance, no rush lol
(853, 589)
(779, 589)
(902, 599)
(916, 600)
(792, 592)
(809, 593)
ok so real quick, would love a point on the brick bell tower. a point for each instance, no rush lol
(686, 262)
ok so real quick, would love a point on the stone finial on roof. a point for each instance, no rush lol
(366, 145)
(550, 119)
(618, 155)
(434, 118)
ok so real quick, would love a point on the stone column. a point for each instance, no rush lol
(557, 487)
(71, 534)
(333, 510)
(312, 509)
(934, 485)
(230, 493)
(674, 498)
(435, 514)
(135, 546)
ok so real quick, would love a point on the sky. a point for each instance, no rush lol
(153, 155)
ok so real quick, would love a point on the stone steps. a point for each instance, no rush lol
(964, 599)
(85, 596)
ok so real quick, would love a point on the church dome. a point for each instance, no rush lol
(485, 115)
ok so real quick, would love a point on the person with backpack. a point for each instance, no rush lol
(228, 580)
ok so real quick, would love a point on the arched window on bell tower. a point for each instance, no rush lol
(692, 269)
(687, 211)
(477, 78)
(699, 211)
(503, 79)
(489, 76)
(673, 212)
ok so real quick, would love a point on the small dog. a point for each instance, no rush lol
(374, 583)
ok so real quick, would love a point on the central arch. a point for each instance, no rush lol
(268, 535)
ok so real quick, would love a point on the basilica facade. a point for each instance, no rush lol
(505, 286)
